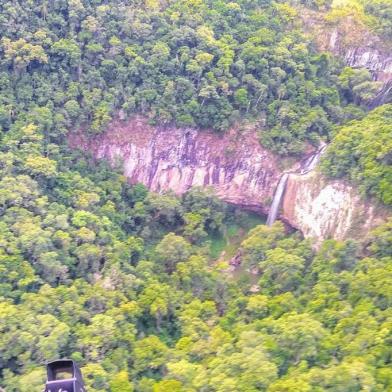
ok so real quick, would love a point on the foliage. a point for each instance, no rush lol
(381, 12)
(361, 150)
(195, 63)
(373, 14)
(153, 313)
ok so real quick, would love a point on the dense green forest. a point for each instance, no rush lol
(197, 63)
(122, 281)
(129, 283)
(362, 151)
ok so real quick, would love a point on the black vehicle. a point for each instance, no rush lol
(64, 376)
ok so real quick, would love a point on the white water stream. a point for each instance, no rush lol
(309, 165)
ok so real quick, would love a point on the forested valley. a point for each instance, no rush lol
(131, 284)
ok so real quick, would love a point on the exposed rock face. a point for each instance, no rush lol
(241, 171)
(328, 209)
(168, 158)
(369, 52)
(351, 40)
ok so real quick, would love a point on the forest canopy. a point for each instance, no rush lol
(362, 151)
(195, 63)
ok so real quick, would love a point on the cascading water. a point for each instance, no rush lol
(313, 160)
(309, 164)
(383, 96)
(273, 212)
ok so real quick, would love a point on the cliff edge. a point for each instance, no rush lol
(242, 172)
(166, 158)
(323, 208)
(350, 39)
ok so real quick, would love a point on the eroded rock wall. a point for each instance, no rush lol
(323, 209)
(168, 158)
(367, 52)
(240, 170)
(351, 40)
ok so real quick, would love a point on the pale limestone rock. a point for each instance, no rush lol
(352, 40)
(324, 209)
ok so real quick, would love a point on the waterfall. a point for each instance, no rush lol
(273, 212)
(308, 165)
(311, 162)
(383, 96)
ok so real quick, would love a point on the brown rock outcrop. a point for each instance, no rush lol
(323, 209)
(169, 158)
(240, 170)
(352, 40)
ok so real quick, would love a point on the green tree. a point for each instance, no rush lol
(172, 250)
(150, 354)
(281, 270)
(120, 383)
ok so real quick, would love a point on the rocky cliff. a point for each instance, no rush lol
(240, 170)
(367, 51)
(352, 40)
(328, 209)
(168, 158)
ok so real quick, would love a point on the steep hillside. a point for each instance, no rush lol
(240, 171)
(166, 158)
(343, 32)
(193, 63)
(204, 102)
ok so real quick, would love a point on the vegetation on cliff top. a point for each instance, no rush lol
(196, 63)
(375, 14)
(120, 280)
(362, 151)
